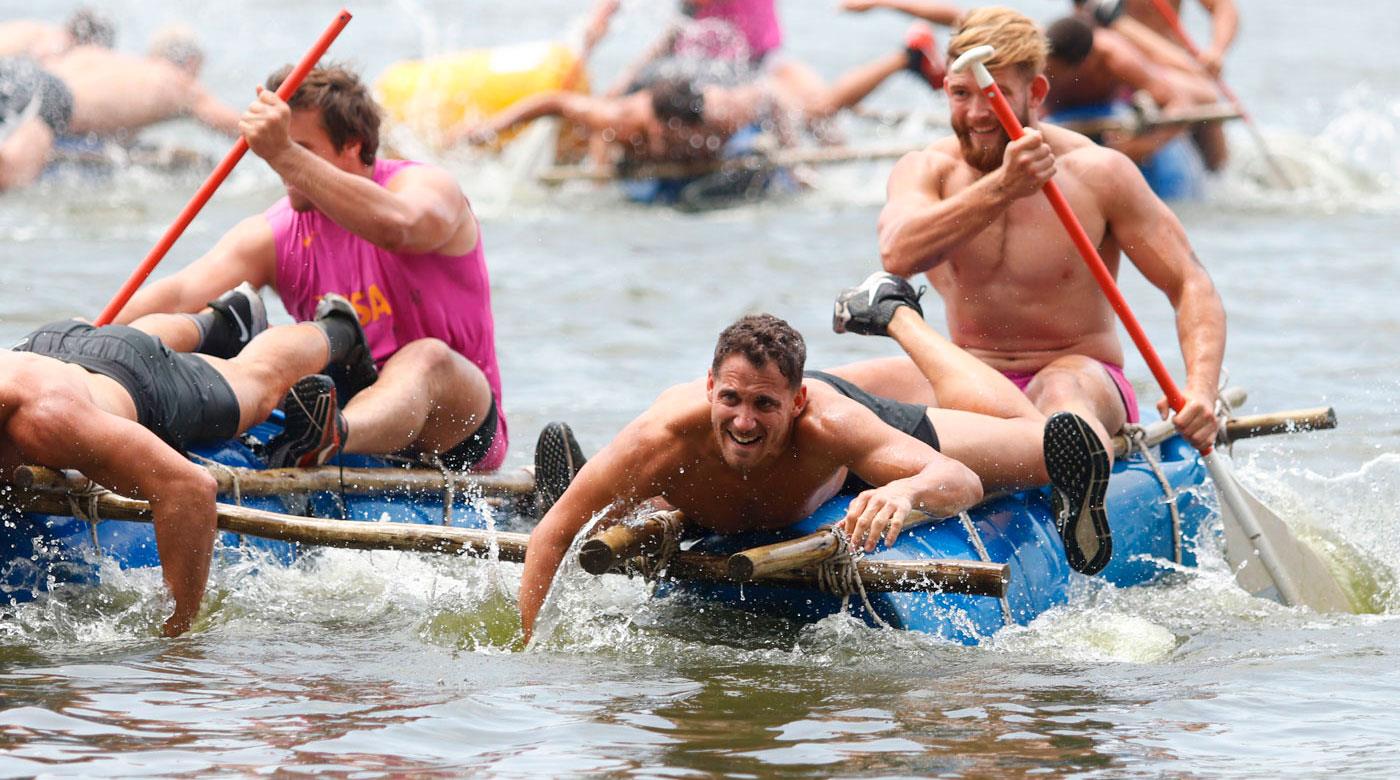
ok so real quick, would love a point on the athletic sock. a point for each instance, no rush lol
(341, 334)
(210, 342)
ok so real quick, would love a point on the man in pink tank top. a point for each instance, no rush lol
(395, 242)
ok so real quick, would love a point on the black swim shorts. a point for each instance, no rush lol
(23, 81)
(906, 418)
(178, 397)
(472, 449)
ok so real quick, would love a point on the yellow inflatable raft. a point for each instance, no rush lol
(444, 93)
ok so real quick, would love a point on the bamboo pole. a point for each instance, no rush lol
(876, 576)
(1272, 423)
(280, 482)
(1137, 125)
(808, 550)
(639, 536)
(779, 159)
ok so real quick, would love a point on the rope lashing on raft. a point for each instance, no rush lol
(975, 537)
(651, 566)
(449, 486)
(1137, 440)
(82, 504)
(225, 469)
(837, 575)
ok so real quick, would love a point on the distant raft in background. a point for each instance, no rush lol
(432, 97)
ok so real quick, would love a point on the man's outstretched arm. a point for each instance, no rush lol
(616, 477)
(935, 11)
(1152, 237)
(246, 253)
(65, 431)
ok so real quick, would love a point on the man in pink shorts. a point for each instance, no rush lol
(390, 242)
(969, 214)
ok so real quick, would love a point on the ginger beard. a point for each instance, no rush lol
(986, 152)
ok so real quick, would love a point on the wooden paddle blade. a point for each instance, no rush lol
(1310, 581)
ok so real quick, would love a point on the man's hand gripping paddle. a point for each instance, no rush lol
(221, 172)
(1268, 560)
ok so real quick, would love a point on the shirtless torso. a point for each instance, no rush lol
(115, 92)
(1018, 295)
(744, 451)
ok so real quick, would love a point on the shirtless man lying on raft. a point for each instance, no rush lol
(758, 444)
(116, 404)
(675, 119)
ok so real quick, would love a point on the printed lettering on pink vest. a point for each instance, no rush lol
(401, 297)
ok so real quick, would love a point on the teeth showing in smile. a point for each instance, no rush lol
(744, 439)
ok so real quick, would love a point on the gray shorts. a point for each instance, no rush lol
(22, 83)
(178, 397)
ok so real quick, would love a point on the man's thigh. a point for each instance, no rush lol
(892, 377)
(1078, 384)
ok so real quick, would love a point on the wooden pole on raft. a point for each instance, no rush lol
(206, 190)
(281, 482)
(1268, 559)
(876, 576)
(779, 159)
(643, 535)
(1138, 125)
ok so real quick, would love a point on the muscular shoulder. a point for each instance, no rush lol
(927, 169)
(831, 422)
(423, 175)
(1100, 167)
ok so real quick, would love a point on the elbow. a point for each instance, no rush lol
(897, 257)
(396, 235)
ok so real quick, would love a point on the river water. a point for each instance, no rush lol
(369, 663)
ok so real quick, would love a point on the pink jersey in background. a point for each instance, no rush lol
(757, 19)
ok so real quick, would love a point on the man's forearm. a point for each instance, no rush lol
(1200, 322)
(935, 11)
(914, 240)
(356, 203)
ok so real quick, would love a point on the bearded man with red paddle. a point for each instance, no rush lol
(967, 212)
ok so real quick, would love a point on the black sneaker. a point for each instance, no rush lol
(558, 457)
(1105, 12)
(868, 309)
(1078, 467)
(242, 316)
(313, 429)
(357, 371)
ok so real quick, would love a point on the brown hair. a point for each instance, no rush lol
(348, 113)
(89, 28)
(761, 338)
(1017, 40)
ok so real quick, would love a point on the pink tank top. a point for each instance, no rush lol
(757, 19)
(400, 297)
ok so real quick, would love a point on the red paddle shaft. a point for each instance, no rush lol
(1090, 254)
(206, 190)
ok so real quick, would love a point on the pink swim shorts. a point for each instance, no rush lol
(1125, 388)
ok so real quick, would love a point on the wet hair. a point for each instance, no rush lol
(348, 112)
(1017, 40)
(89, 28)
(1071, 39)
(178, 45)
(677, 98)
(761, 338)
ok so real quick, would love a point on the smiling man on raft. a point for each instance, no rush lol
(758, 444)
(117, 404)
(968, 212)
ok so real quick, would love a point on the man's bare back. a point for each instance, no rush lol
(1016, 293)
(114, 92)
